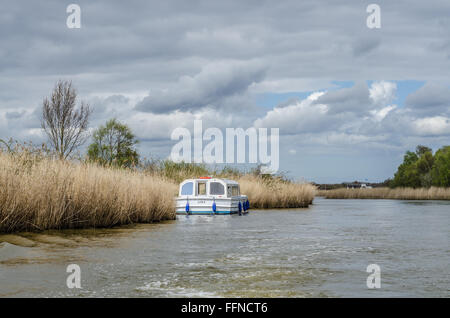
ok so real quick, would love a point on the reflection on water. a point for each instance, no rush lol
(322, 251)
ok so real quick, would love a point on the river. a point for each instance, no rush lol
(321, 251)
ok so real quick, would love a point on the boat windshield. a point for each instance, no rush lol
(216, 188)
(187, 188)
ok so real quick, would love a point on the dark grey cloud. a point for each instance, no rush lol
(363, 46)
(110, 106)
(351, 99)
(302, 38)
(213, 84)
(431, 99)
(14, 115)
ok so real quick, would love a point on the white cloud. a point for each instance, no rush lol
(437, 125)
(380, 114)
(287, 85)
(382, 92)
(301, 116)
(356, 110)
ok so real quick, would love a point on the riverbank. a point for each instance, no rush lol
(39, 193)
(433, 193)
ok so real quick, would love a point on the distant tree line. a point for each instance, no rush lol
(423, 169)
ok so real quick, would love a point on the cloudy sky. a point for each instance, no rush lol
(349, 100)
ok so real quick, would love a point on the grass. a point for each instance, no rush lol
(38, 192)
(433, 193)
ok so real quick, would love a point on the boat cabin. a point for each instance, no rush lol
(208, 195)
(206, 186)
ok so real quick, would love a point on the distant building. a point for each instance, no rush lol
(348, 185)
(357, 185)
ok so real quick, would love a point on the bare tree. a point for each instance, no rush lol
(64, 123)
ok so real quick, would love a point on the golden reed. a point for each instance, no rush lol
(39, 194)
(270, 194)
(433, 193)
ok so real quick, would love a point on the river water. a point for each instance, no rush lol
(321, 251)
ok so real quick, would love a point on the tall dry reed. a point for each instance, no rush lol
(38, 193)
(432, 193)
(275, 193)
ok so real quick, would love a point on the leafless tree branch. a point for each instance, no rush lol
(64, 123)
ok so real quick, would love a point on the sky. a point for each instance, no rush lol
(348, 100)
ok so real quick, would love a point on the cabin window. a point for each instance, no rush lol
(235, 190)
(216, 188)
(201, 188)
(187, 188)
(228, 191)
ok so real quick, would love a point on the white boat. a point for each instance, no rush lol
(211, 196)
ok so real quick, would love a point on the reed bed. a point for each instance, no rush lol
(275, 193)
(39, 193)
(433, 193)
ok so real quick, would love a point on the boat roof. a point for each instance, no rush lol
(227, 181)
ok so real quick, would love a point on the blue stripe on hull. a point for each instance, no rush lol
(210, 212)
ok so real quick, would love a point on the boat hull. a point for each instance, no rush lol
(210, 213)
(204, 206)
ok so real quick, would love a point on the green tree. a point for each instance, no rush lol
(441, 169)
(420, 150)
(422, 169)
(114, 145)
(407, 174)
(424, 166)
